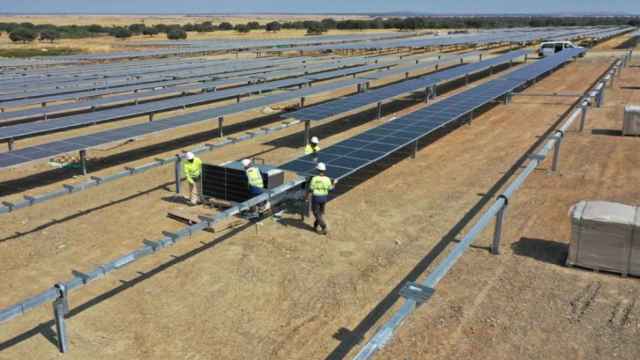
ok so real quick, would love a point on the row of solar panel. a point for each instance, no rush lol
(333, 108)
(55, 148)
(189, 87)
(114, 83)
(348, 156)
(44, 96)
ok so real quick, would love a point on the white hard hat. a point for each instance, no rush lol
(190, 156)
(321, 167)
(315, 140)
(246, 162)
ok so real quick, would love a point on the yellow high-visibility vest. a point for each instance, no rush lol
(320, 185)
(254, 177)
(192, 169)
(310, 149)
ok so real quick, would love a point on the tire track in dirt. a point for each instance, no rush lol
(585, 298)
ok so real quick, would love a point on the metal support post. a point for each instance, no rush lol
(600, 98)
(11, 144)
(434, 93)
(583, 116)
(480, 56)
(83, 161)
(526, 57)
(60, 310)
(497, 233)
(307, 131)
(426, 95)
(556, 150)
(437, 65)
(379, 110)
(151, 117)
(178, 174)
(220, 125)
(359, 88)
(510, 63)
(238, 99)
(461, 60)
(406, 75)
(470, 118)
(302, 100)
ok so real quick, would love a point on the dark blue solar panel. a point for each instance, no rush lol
(374, 144)
(83, 142)
(332, 108)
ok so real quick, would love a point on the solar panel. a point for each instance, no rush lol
(352, 154)
(35, 128)
(335, 107)
(48, 150)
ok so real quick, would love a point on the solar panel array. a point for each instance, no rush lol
(55, 148)
(68, 122)
(348, 156)
(332, 108)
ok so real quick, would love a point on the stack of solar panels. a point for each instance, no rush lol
(348, 156)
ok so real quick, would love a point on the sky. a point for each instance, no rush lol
(323, 6)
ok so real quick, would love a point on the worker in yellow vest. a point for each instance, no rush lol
(319, 187)
(255, 181)
(192, 169)
(313, 146)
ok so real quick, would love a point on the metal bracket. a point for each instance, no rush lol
(85, 278)
(154, 245)
(536, 157)
(416, 292)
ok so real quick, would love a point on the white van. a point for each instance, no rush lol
(552, 47)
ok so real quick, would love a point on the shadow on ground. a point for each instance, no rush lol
(547, 251)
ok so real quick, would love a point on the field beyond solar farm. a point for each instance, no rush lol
(274, 289)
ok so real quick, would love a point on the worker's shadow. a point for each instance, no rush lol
(295, 223)
(177, 199)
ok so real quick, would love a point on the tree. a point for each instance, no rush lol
(137, 28)
(225, 26)
(50, 35)
(273, 26)
(176, 34)
(329, 23)
(315, 28)
(241, 28)
(150, 31)
(253, 25)
(23, 34)
(121, 33)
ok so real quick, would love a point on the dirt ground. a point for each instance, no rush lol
(279, 291)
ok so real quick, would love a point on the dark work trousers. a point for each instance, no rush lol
(317, 207)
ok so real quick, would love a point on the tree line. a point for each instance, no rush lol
(27, 32)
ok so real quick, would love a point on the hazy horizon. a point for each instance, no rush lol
(355, 7)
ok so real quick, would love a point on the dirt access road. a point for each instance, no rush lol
(282, 292)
